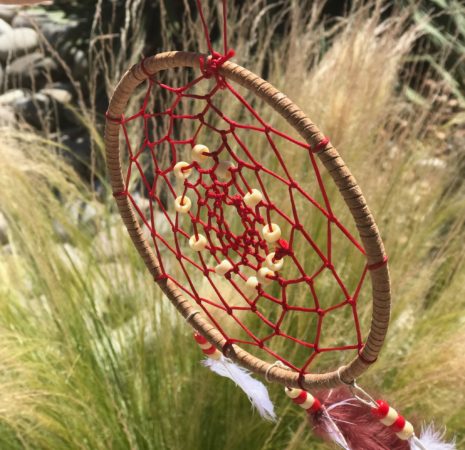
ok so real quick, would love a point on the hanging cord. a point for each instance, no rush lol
(211, 64)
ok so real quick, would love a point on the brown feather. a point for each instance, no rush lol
(359, 427)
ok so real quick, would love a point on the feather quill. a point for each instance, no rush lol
(333, 431)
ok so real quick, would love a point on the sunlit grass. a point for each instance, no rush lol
(94, 357)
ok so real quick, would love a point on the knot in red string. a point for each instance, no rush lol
(282, 249)
(211, 64)
(237, 200)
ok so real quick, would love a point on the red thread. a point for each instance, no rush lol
(226, 346)
(144, 69)
(300, 380)
(321, 145)
(366, 361)
(160, 277)
(204, 24)
(209, 351)
(117, 120)
(378, 265)
(120, 194)
(231, 228)
(282, 249)
(210, 66)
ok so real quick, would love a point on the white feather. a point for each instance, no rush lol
(348, 402)
(432, 439)
(254, 389)
(334, 432)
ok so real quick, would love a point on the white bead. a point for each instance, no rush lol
(407, 432)
(309, 401)
(263, 275)
(253, 198)
(276, 265)
(179, 173)
(200, 153)
(182, 204)
(205, 346)
(292, 392)
(273, 235)
(252, 283)
(391, 417)
(223, 171)
(223, 267)
(198, 244)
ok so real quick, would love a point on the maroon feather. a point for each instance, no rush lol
(359, 427)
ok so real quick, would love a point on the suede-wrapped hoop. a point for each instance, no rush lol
(348, 187)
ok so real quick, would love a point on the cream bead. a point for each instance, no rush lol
(263, 275)
(276, 265)
(223, 267)
(253, 198)
(205, 345)
(252, 283)
(198, 243)
(182, 174)
(272, 235)
(292, 392)
(308, 403)
(182, 204)
(390, 418)
(407, 432)
(223, 171)
(200, 153)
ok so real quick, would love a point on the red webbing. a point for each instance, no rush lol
(211, 196)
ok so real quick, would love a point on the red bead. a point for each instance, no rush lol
(316, 406)
(398, 425)
(209, 351)
(300, 398)
(200, 339)
(283, 244)
(382, 410)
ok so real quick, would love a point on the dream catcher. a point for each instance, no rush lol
(240, 226)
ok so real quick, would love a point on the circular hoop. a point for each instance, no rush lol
(328, 155)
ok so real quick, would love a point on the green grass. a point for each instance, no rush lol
(94, 357)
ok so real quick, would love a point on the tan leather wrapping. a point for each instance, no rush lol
(341, 175)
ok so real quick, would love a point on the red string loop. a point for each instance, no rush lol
(211, 64)
(365, 360)
(301, 379)
(120, 194)
(321, 145)
(379, 264)
(226, 346)
(119, 120)
(144, 69)
(160, 277)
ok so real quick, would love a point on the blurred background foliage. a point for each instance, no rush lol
(92, 356)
